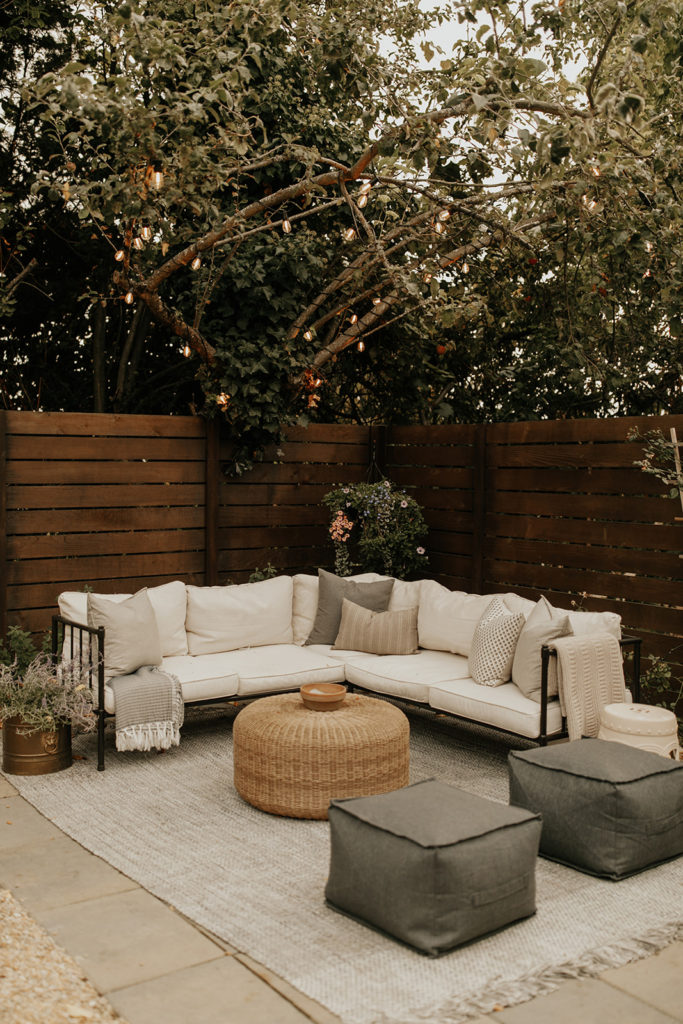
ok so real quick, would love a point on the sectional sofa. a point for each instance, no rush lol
(479, 657)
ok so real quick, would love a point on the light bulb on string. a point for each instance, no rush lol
(349, 234)
(146, 233)
(427, 277)
(308, 335)
(187, 351)
(444, 214)
(119, 255)
(196, 263)
(439, 227)
(365, 188)
(286, 226)
(128, 298)
(465, 268)
(376, 301)
(137, 242)
(353, 319)
(157, 179)
(362, 201)
(222, 399)
(361, 346)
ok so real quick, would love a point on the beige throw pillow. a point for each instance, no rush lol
(493, 644)
(131, 637)
(377, 632)
(332, 590)
(526, 666)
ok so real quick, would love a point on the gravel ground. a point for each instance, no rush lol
(39, 982)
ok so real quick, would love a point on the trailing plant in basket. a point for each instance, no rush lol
(376, 528)
(44, 696)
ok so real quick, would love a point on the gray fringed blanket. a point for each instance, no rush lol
(149, 709)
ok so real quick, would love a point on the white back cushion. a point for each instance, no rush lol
(447, 619)
(168, 602)
(583, 623)
(304, 606)
(232, 617)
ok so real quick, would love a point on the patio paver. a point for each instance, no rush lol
(584, 1000)
(657, 980)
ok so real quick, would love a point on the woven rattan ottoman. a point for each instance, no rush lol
(292, 761)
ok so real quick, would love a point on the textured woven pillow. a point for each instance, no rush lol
(131, 637)
(494, 643)
(377, 632)
(331, 592)
(526, 666)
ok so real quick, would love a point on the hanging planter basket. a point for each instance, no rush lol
(34, 753)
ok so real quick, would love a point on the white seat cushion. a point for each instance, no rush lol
(504, 707)
(282, 667)
(405, 675)
(328, 651)
(202, 678)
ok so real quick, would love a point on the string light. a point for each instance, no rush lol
(128, 298)
(349, 234)
(146, 233)
(465, 268)
(444, 214)
(365, 188)
(353, 319)
(138, 243)
(187, 351)
(361, 346)
(157, 179)
(363, 201)
(649, 246)
(596, 171)
(119, 255)
(308, 335)
(376, 301)
(286, 226)
(196, 263)
(222, 399)
(439, 227)
(427, 277)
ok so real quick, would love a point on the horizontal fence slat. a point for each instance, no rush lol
(104, 495)
(553, 431)
(580, 531)
(93, 450)
(570, 481)
(70, 545)
(586, 455)
(96, 520)
(585, 506)
(582, 556)
(103, 566)
(614, 585)
(85, 424)
(140, 472)
(273, 536)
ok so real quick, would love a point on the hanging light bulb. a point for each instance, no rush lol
(157, 179)
(119, 255)
(286, 226)
(427, 277)
(465, 268)
(187, 351)
(196, 263)
(361, 346)
(353, 319)
(444, 214)
(376, 301)
(362, 201)
(222, 399)
(137, 242)
(146, 233)
(128, 298)
(439, 227)
(596, 171)
(349, 234)
(308, 335)
(365, 188)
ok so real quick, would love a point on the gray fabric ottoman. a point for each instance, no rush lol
(431, 865)
(608, 809)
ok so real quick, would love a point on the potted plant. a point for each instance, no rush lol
(39, 704)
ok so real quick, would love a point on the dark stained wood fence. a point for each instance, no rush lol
(555, 508)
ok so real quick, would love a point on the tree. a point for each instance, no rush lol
(500, 236)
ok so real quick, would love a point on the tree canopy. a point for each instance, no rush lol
(272, 209)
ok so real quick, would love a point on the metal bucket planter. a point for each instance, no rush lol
(35, 753)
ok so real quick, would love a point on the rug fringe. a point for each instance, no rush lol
(542, 981)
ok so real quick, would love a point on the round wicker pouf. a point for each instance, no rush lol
(292, 761)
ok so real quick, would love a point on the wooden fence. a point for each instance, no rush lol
(119, 502)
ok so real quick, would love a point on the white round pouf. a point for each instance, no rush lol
(640, 725)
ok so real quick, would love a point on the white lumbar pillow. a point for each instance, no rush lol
(447, 619)
(248, 615)
(304, 606)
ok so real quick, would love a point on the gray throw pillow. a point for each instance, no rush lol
(526, 666)
(131, 637)
(331, 592)
(377, 632)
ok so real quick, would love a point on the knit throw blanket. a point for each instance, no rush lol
(149, 709)
(590, 674)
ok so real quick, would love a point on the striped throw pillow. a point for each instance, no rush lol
(377, 632)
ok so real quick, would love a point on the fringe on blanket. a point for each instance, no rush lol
(150, 736)
(543, 980)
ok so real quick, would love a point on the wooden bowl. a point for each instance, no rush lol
(323, 696)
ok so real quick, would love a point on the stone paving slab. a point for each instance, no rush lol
(126, 938)
(657, 980)
(223, 991)
(74, 874)
(6, 787)
(22, 825)
(588, 1001)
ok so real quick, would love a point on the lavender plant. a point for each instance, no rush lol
(44, 696)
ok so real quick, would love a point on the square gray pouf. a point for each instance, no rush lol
(608, 809)
(432, 865)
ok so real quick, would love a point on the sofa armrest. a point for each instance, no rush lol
(548, 652)
(73, 641)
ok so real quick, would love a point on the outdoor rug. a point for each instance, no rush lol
(173, 823)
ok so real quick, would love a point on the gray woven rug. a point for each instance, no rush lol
(173, 823)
